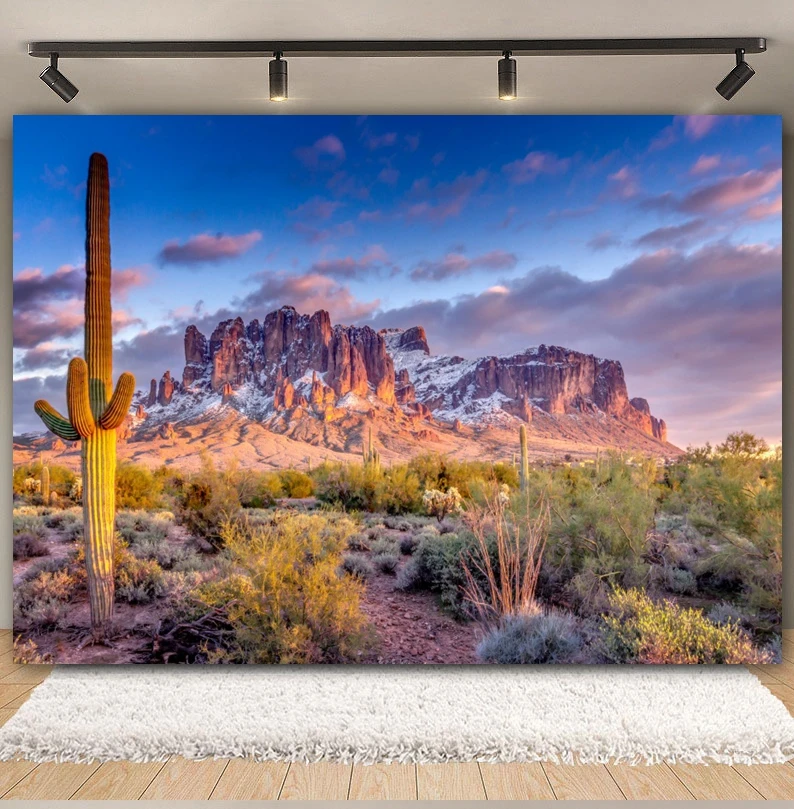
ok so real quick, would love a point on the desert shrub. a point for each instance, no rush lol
(352, 487)
(141, 526)
(358, 542)
(64, 520)
(440, 503)
(637, 630)
(27, 546)
(442, 473)
(354, 564)
(27, 523)
(47, 564)
(400, 491)
(296, 483)
(680, 581)
(386, 562)
(408, 543)
(733, 497)
(437, 566)
(260, 490)
(366, 487)
(26, 651)
(138, 581)
(137, 487)
(285, 601)
(206, 502)
(399, 523)
(587, 592)
(384, 544)
(42, 603)
(725, 613)
(535, 637)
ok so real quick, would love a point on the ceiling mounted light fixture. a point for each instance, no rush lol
(56, 81)
(737, 78)
(508, 78)
(371, 48)
(278, 78)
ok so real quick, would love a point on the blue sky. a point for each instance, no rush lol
(654, 240)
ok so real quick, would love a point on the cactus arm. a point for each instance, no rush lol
(55, 422)
(119, 403)
(77, 399)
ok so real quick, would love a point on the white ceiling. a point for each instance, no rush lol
(345, 85)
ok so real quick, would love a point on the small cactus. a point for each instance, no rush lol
(371, 455)
(524, 468)
(93, 413)
(45, 483)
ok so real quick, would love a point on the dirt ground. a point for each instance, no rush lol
(412, 629)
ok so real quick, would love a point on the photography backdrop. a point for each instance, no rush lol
(386, 298)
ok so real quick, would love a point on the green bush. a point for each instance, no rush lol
(285, 602)
(27, 546)
(206, 502)
(386, 562)
(296, 484)
(138, 581)
(637, 630)
(42, 603)
(436, 565)
(408, 544)
(137, 487)
(354, 564)
(538, 637)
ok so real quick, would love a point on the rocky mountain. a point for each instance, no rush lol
(301, 366)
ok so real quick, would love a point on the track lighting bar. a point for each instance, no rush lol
(388, 48)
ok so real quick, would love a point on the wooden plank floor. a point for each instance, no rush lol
(240, 779)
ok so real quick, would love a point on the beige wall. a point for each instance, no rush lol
(6, 370)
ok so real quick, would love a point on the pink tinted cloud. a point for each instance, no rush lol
(349, 267)
(206, 248)
(534, 164)
(325, 152)
(370, 216)
(762, 210)
(388, 175)
(307, 293)
(732, 191)
(455, 264)
(698, 126)
(347, 185)
(622, 184)
(603, 241)
(317, 209)
(705, 163)
(439, 202)
(373, 142)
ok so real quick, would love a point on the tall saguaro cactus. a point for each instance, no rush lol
(95, 409)
(524, 468)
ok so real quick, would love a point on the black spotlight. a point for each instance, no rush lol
(737, 78)
(507, 78)
(56, 81)
(278, 78)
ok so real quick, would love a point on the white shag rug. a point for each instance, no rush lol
(569, 714)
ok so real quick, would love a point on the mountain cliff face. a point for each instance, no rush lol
(303, 363)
